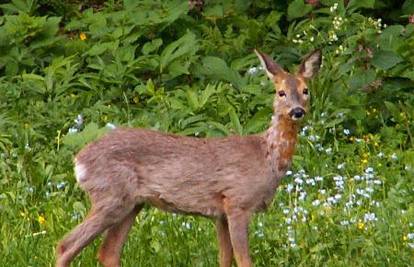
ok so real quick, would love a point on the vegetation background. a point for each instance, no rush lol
(71, 70)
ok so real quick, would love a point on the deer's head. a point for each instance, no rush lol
(292, 93)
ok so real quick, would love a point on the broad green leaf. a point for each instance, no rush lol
(216, 68)
(408, 7)
(385, 59)
(152, 46)
(361, 79)
(100, 48)
(357, 4)
(298, 9)
(185, 46)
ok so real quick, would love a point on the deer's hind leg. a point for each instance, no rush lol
(103, 215)
(110, 252)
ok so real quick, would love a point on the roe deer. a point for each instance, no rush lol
(227, 179)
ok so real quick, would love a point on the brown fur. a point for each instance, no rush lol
(227, 179)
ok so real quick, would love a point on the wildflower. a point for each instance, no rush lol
(72, 130)
(252, 70)
(347, 132)
(60, 185)
(289, 188)
(341, 166)
(360, 225)
(344, 222)
(370, 217)
(298, 181)
(328, 151)
(369, 170)
(410, 236)
(41, 219)
(394, 156)
(318, 178)
(333, 8)
(316, 202)
(302, 196)
(79, 121)
(82, 36)
(110, 126)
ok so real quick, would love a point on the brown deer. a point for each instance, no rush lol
(226, 179)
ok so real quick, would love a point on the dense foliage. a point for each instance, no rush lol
(70, 71)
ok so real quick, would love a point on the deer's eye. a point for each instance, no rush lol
(281, 93)
(306, 91)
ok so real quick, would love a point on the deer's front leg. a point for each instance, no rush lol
(223, 237)
(238, 221)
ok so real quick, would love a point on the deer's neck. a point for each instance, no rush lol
(281, 141)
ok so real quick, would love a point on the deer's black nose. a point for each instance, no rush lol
(297, 113)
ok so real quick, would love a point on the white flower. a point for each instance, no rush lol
(341, 166)
(344, 223)
(394, 156)
(252, 70)
(410, 236)
(289, 188)
(72, 130)
(333, 8)
(316, 202)
(298, 181)
(370, 217)
(110, 125)
(380, 155)
(347, 132)
(318, 178)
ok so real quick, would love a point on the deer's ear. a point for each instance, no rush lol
(272, 68)
(311, 64)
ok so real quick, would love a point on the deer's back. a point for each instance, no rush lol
(178, 173)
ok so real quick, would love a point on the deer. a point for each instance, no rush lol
(227, 179)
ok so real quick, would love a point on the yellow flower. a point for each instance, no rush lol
(360, 225)
(405, 238)
(41, 219)
(364, 161)
(82, 36)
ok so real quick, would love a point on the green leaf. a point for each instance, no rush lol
(152, 46)
(361, 79)
(185, 46)
(385, 59)
(235, 121)
(100, 48)
(216, 68)
(408, 7)
(90, 133)
(298, 9)
(357, 4)
(258, 122)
